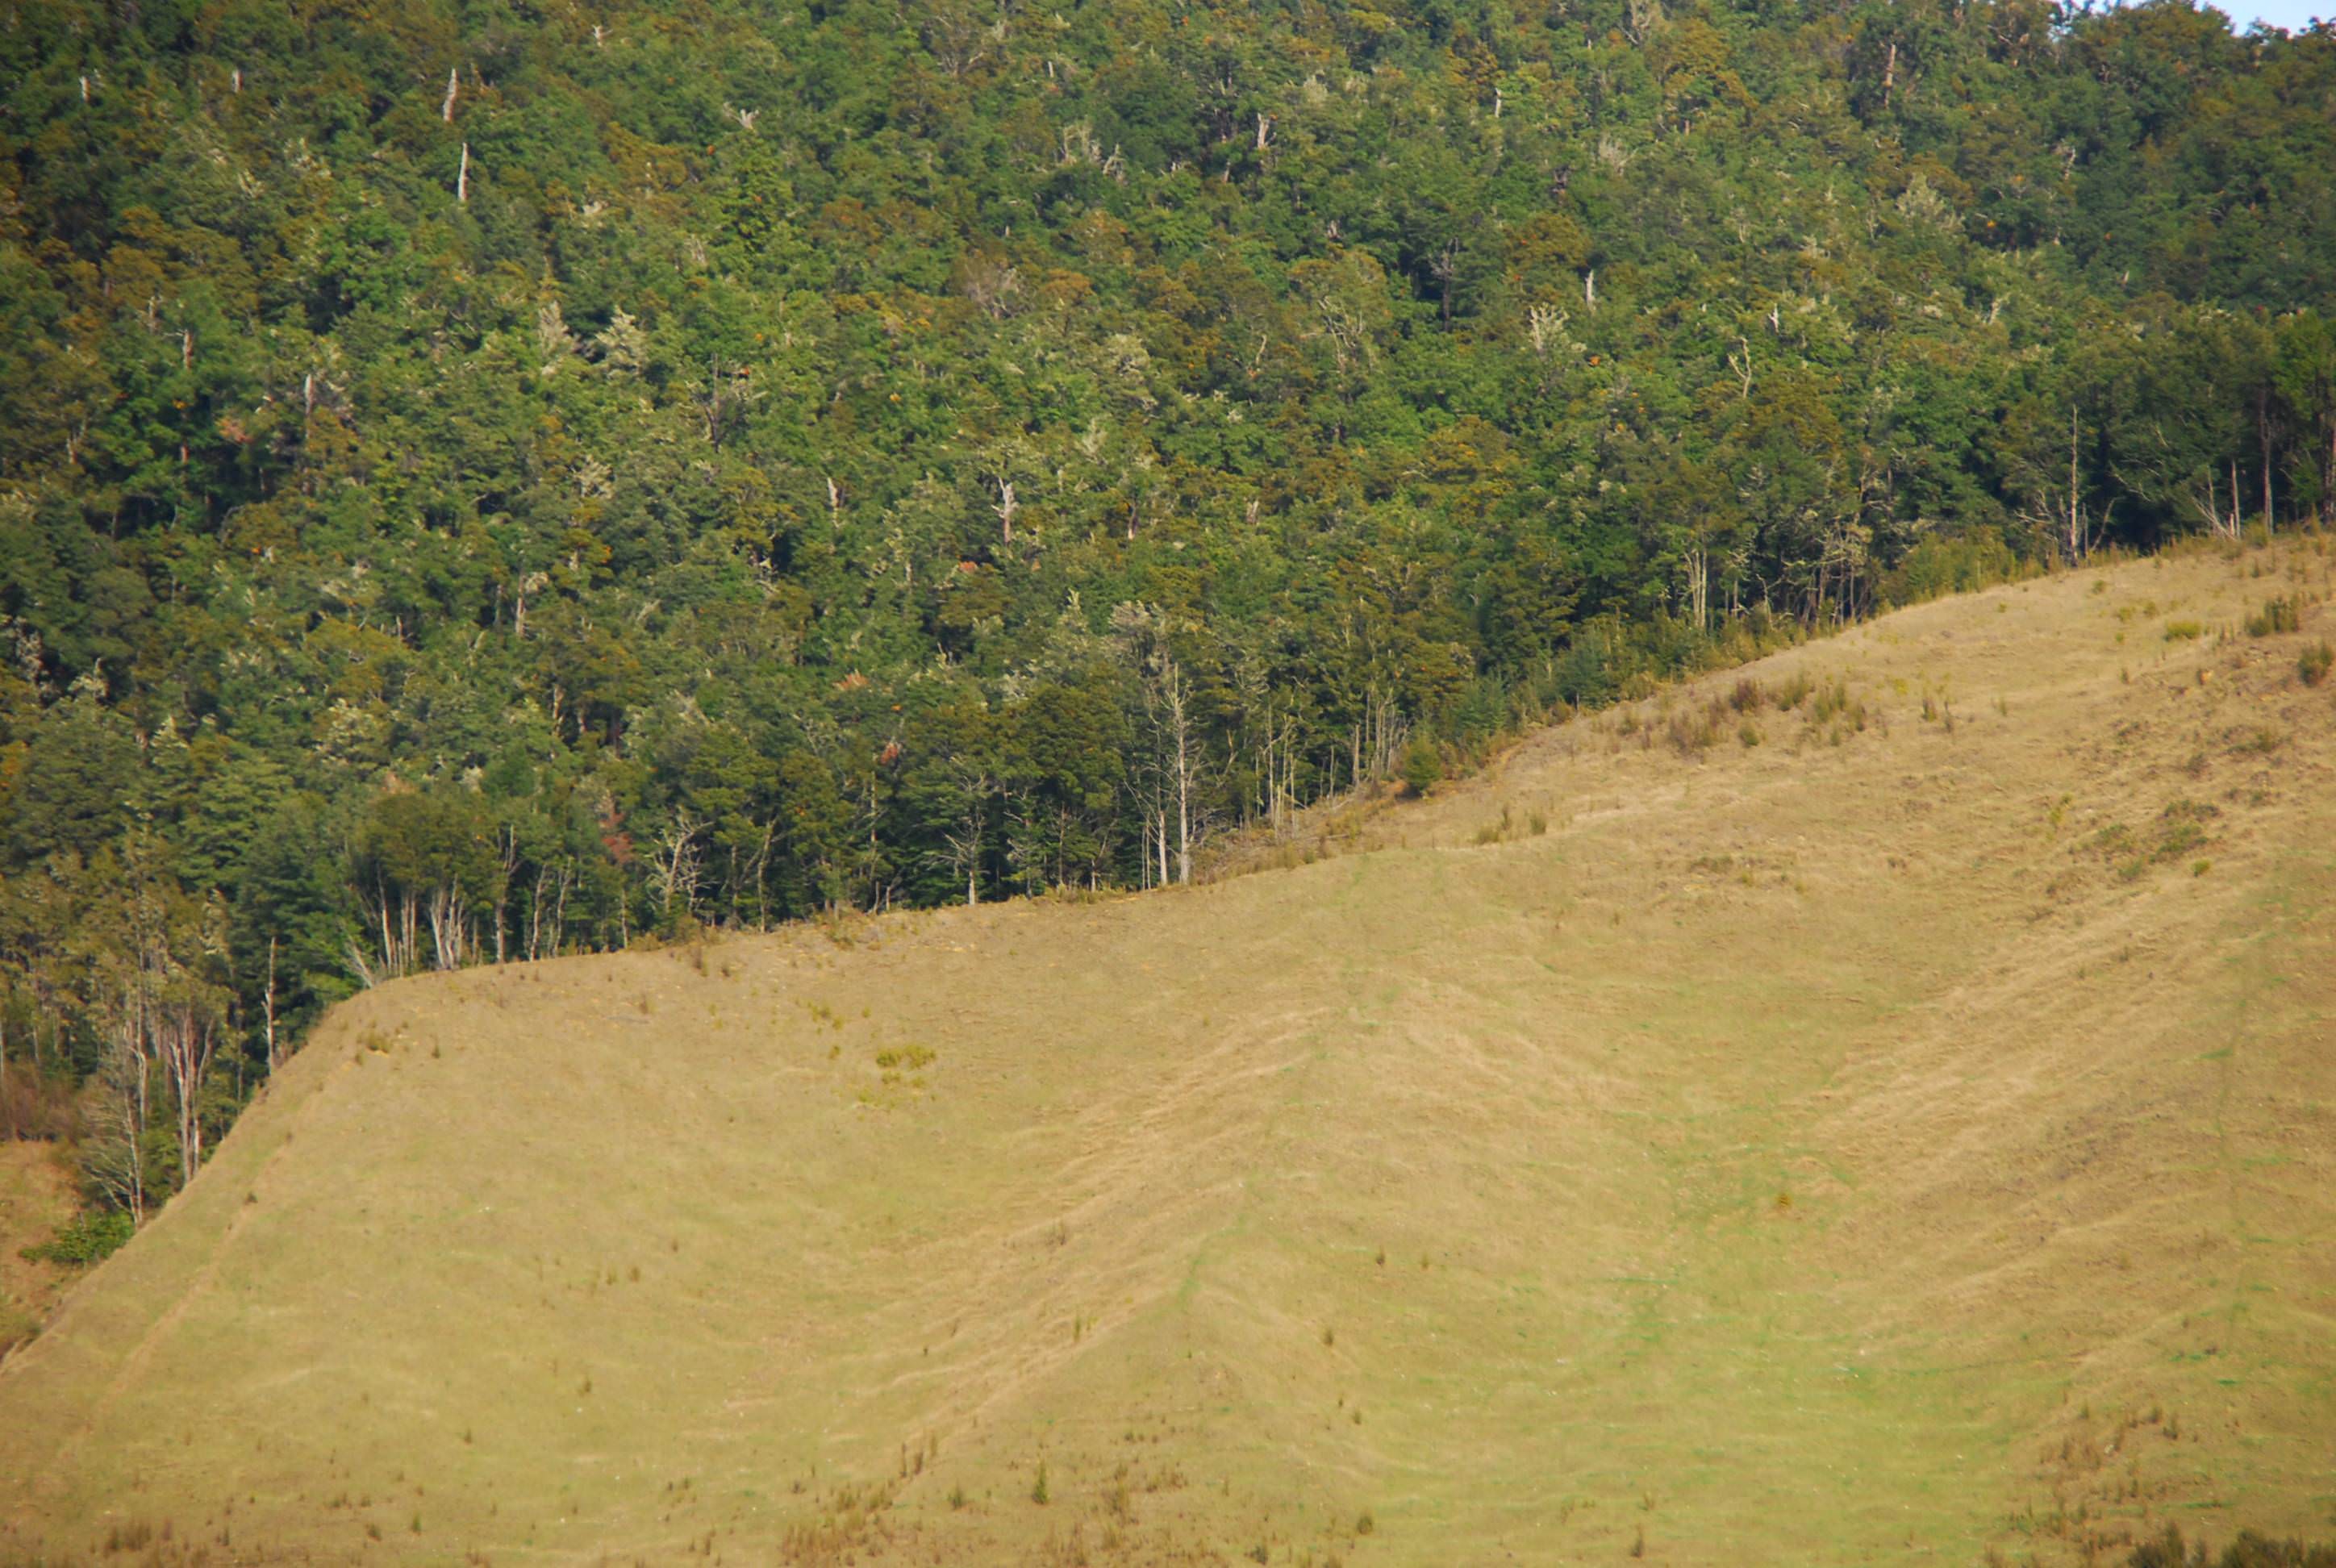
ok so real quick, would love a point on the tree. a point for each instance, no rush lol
(73, 785)
(2304, 373)
(291, 925)
(421, 856)
(1066, 758)
(1423, 765)
(953, 787)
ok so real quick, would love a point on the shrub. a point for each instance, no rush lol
(1585, 674)
(2314, 663)
(1423, 765)
(2185, 631)
(88, 1240)
(1937, 566)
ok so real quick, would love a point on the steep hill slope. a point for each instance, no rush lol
(35, 1198)
(1901, 1136)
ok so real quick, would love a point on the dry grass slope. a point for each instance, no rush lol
(1897, 1125)
(35, 1198)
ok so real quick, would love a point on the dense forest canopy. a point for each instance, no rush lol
(481, 481)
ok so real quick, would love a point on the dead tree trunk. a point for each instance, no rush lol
(2263, 437)
(267, 1008)
(186, 1039)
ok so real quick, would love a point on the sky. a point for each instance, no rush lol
(2292, 15)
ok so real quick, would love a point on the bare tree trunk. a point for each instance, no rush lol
(1005, 508)
(1180, 720)
(674, 868)
(116, 1160)
(2263, 435)
(449, 928)
(535, 915)
(502, 886)
(388, 943)
(763, 876)
(2075, 532)
(187, 1041)
(268, 1006)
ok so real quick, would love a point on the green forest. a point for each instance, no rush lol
(483, 480)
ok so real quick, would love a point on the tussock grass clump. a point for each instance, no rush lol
(1834, 702)
(2247, 1550)
(134, 1536)
(1697, 730)
(2313, 664)
(1833, 714)
(2185, 631)
(2180, 829)
(2277, 616)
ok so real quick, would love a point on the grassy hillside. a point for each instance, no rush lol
(35, 1198)
(1909, 1136)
